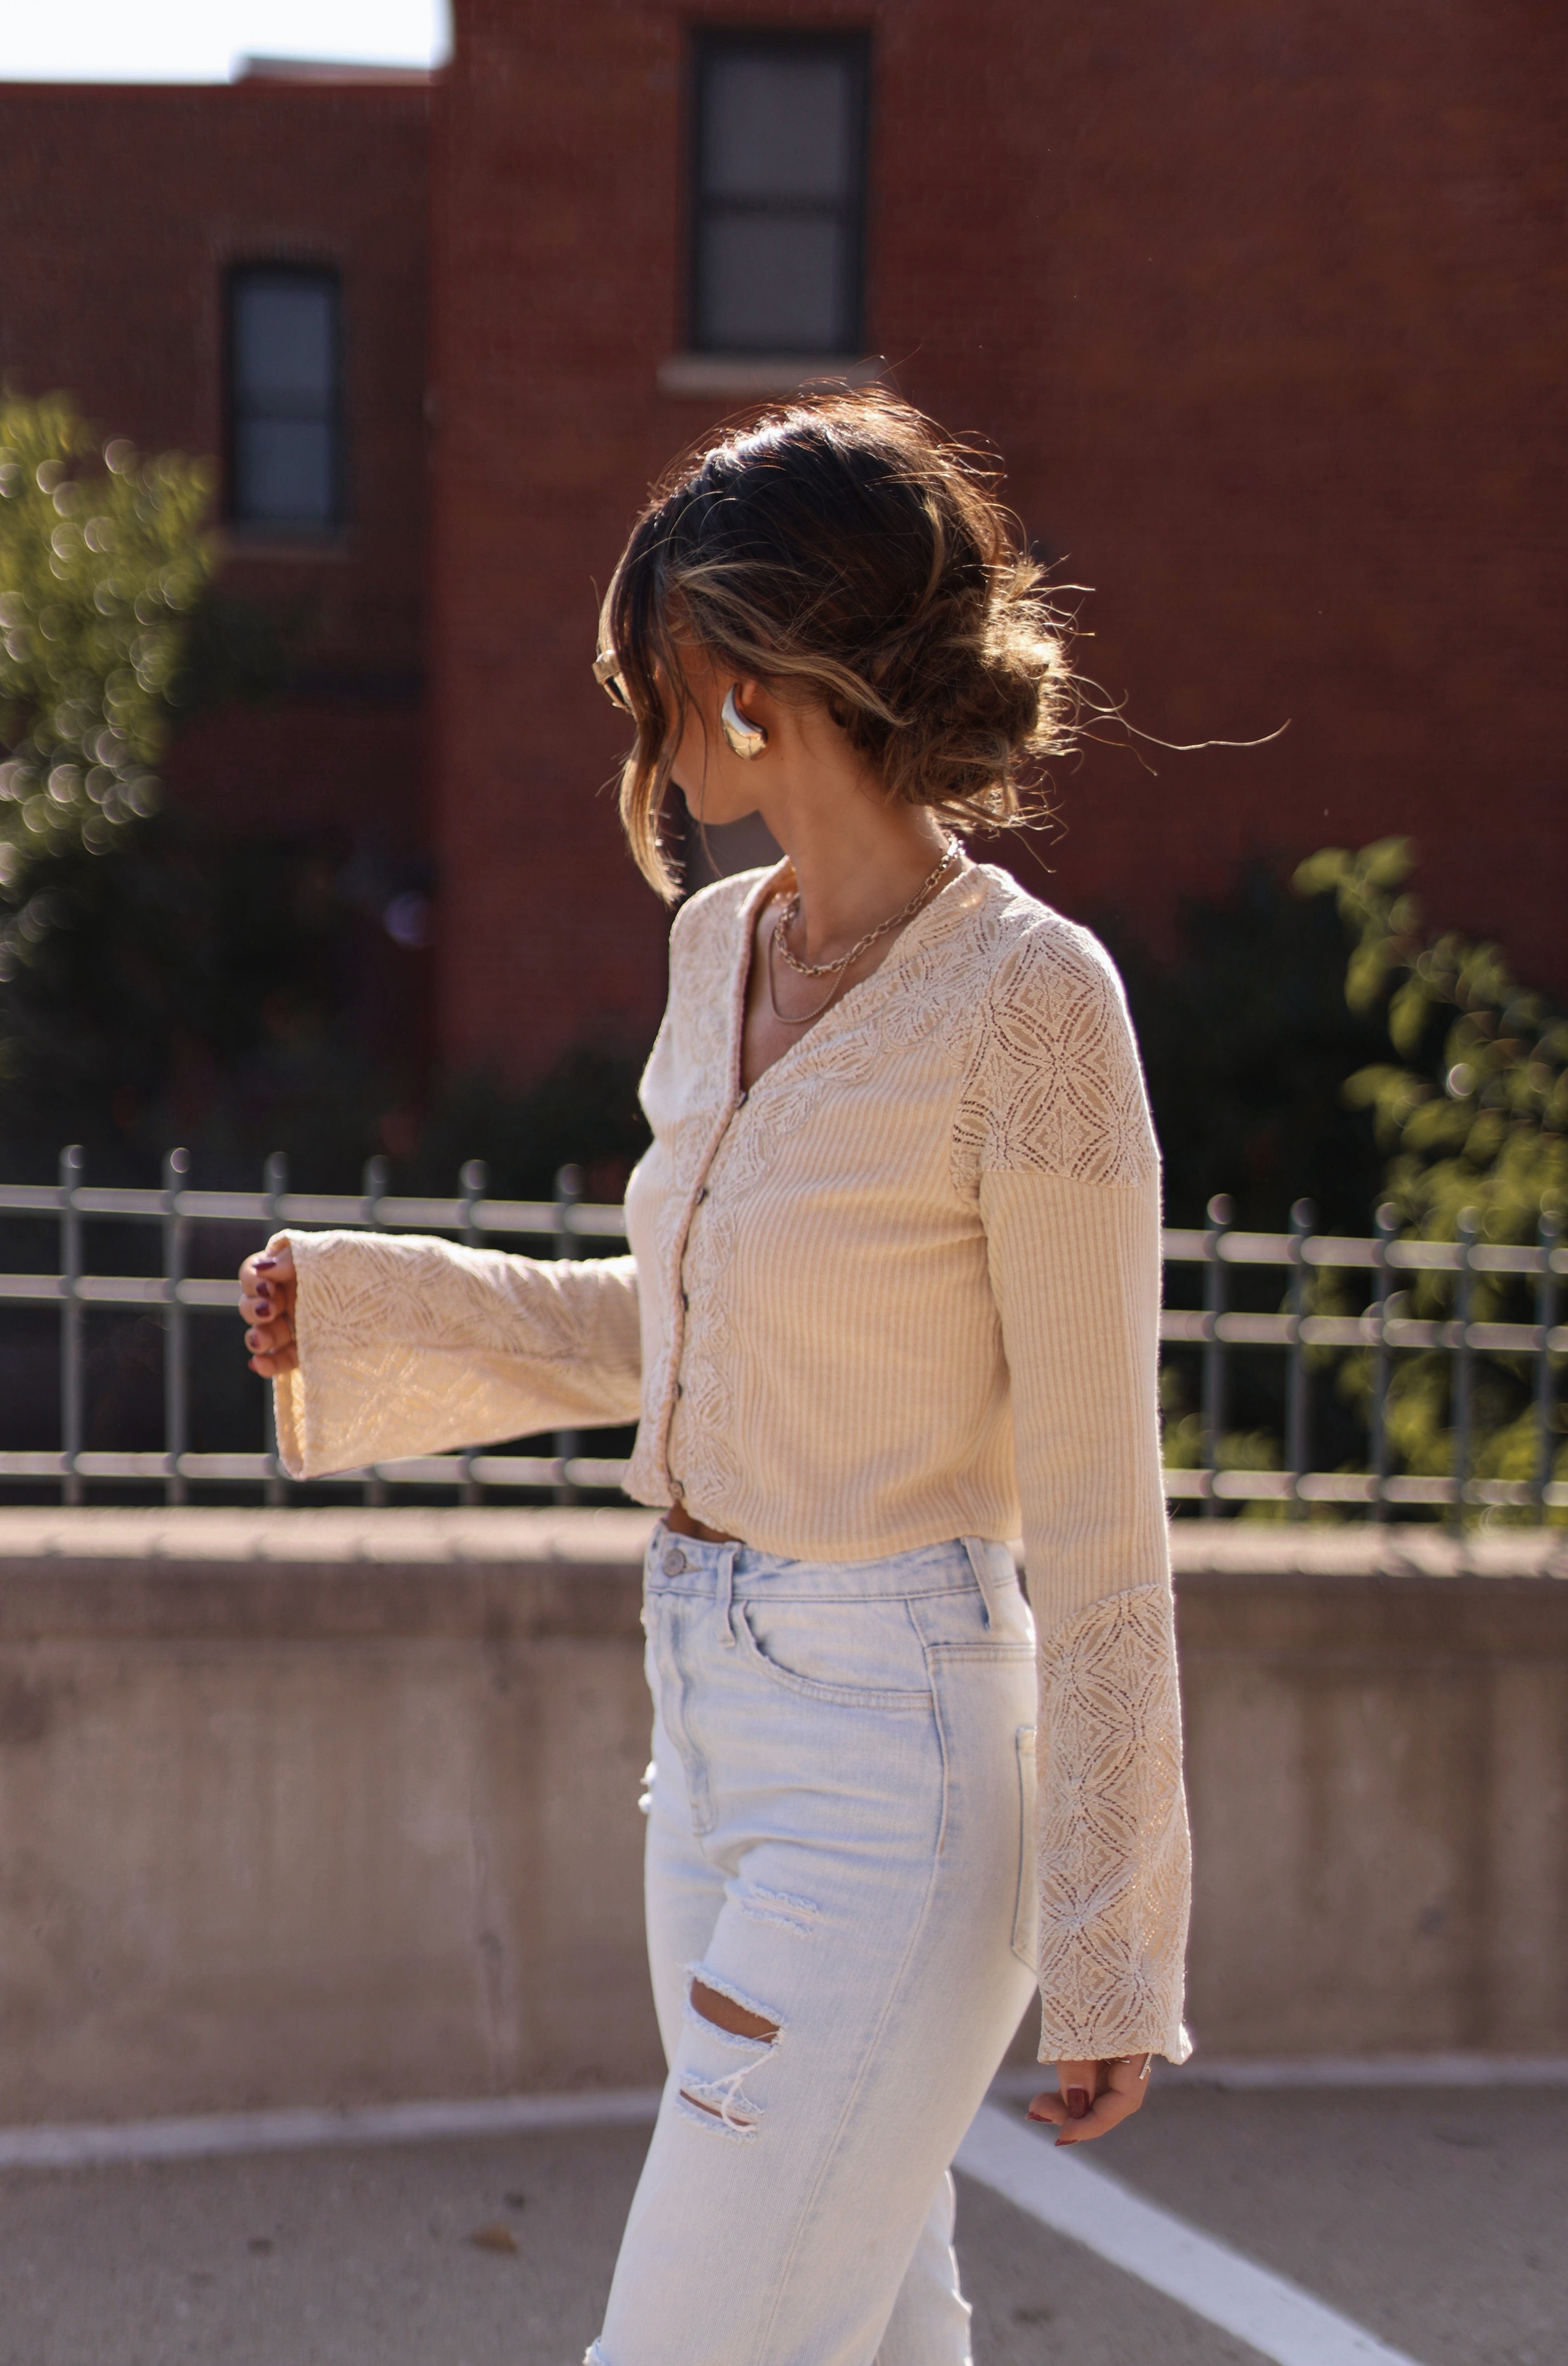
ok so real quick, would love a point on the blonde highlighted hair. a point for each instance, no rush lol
(845, 550)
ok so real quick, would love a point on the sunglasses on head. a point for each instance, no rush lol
(608, 675)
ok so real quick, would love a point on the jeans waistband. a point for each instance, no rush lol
(678, 1564)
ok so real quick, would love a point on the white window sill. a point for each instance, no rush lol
(742, 374)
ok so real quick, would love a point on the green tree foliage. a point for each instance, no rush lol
(156, 981)
(103, 561)
(1472, 1114)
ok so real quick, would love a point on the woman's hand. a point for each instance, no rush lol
(267, 1284)
(1093, 2096)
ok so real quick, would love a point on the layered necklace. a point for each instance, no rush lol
(778, 942)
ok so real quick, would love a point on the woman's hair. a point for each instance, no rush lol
(844, 550)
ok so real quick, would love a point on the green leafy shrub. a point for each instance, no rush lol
(1474, 1111)
(1471, 1115)
(103, 560)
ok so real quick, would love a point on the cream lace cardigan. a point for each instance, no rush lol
(905, 1289)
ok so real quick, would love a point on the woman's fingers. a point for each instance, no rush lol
(271, 1347)
(1077, 2084)
(1093, 2097)
(269, 1367)
(267, 1283)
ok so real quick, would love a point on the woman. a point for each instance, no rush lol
(893, 1293)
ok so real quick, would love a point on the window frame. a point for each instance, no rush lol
(712, 41)
(238, 276)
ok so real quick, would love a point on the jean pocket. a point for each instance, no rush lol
(857, 1655)
(1026, 1908)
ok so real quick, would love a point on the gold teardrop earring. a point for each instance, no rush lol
(744, 740)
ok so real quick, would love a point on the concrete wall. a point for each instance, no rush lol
(336, 1806)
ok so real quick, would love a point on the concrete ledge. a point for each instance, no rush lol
(337, 1807)
(494, 1534)
(1360, 1548)
(195, 1572)
(325, 1534)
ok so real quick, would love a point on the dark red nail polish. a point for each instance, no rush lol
(1078, 2103)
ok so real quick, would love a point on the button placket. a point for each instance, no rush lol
(683, 1301)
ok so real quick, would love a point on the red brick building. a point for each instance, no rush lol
(131, 215)
(1263, 305)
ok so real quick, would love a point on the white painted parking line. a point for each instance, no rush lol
(1097, 2210)
(74, 2146)
(1069, 2195)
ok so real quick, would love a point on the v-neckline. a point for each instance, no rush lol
(740, 979)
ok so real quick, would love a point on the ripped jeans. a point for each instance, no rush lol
(840, 1864)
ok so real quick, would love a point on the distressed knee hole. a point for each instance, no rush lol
(727, 2014)
(722, 2103)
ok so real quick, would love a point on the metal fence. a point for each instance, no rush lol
(1383, 1329)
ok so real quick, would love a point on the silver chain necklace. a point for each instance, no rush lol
(778, 942)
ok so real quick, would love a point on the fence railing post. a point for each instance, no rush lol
(1464, 1298)
(71, 1375)
(473, 1182)
(568, 1191)
(1387, 1219)
(1304, 1216)
(275, 1183)
(374, 1187)
(1545, 1394)
(1377, 1333)
(176, 1392)
(1220, 1211)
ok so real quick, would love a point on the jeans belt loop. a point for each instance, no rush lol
(979, 1551)
(726, 1594)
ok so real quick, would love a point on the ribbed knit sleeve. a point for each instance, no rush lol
(409, 1345)
(1054, 1124)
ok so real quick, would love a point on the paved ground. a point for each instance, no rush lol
(1433, 2218)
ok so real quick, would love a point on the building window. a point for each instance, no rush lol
(285, 409)
(780, 194)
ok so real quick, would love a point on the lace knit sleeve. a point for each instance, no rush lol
(1054, 1129)
(407, 1346)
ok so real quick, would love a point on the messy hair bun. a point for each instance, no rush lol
(845, 548)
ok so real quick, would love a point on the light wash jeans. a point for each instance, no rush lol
(839, 1842)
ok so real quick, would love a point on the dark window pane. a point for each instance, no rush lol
(778, 127)
(780, 195)
(284, 343)
(284, 456)
(772, 285)
(283, 471)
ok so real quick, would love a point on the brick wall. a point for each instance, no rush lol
(1260, 302)
(123, 206)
